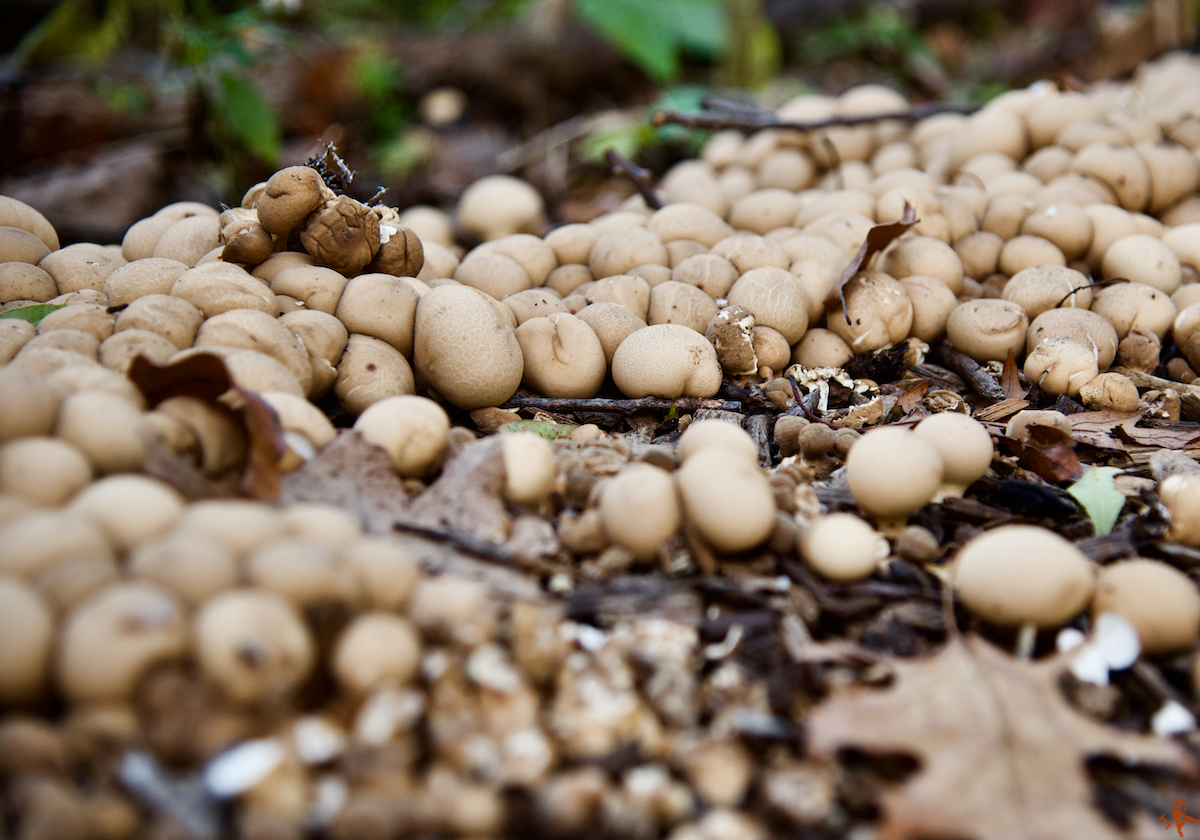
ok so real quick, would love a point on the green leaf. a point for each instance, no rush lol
(1099, 495)
(249, 117)
(699, 26)
(541, 428)
(32, 313)
(638, 31)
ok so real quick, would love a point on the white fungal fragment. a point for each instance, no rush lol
(316, 740)
(388, 712)
(1172, 719)
(244, 766)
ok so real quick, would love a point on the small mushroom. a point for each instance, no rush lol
(252, 645)
(129, 509)
(965, 446)
(108, 642)
(387, 572)
(44, 470)
(879, 311)
(239, 524)
(1041, 287)
(612, 323)
(1061, 365)
(1143, 259)
(705, 434)
(1161, 602)
(400, 251)
(563, 356)
(27, 408)
(893, 473)
(988, 329)
(412, 430)
(1110, 391)
(1180, 495)
(731, 332)
(778, 300)
(1089, 328)
(27, 626)
(106, 428)
(1017, 575)
(842, 547)
(640, 509)
(376, 650)
(666, 360)
(499, 205)
(343, 234)
(727, 499)
(289, 196)
(529, 468)
(191, 565)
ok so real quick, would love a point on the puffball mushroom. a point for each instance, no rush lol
(529, 467)
(563, 356)
(465, 348)
(27, 627)
(44, 470)
(370, 370)
(1089, 328)
(666, 360)
(842, 547)
(289, 196)
(988, 329)
(412, 430)
(1161, 602)
(376, 650)
(879, 310)
(500, 205)
(965, 446)
(893, 473)
(1061, 365)
(252, 645)
(712, 432)
(727, 499)
(1018, 575)
(108, 642)
(1180, 495)
(1144, 259)
(129, 509)
(640, 509)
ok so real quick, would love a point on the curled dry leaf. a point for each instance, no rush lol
(204, 376)
(1050, 453)
(878, 238)
(1002, 753)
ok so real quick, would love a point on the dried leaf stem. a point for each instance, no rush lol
(753, 121)
(642, 178)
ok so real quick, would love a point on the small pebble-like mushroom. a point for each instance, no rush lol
(1161, 602)
(1180, 495)
(400, 250)
(563, 356)
(171, 317)
(1089, 328)
(666, 360)
(129, 509)
(27, 627)
(1061, 365)
(704, 434)
(1041, 287)
(454, 609)
(529, 468)
(190, 564)
(988, 329)
(412, 430)
(727, 499)
(106, 428)
(932, 303)
(252, 645)
(44, 470)
(842, 547)
(1017, 575)
(387, 572)
(777, 299)
(612, 323)
(878, 312)
(965, 446)
(1129, 305)
(371, 370)
(1142, 258)
(500, 205)
(239, 524)
(108, 642)
(289, 196)
(640, 509)
(376, 650)
(27, 408)
(893, 473)
(1110, 391)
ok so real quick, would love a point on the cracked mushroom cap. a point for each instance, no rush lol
(1023, 574)
(666, 360)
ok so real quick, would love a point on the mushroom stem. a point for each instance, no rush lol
(1026, 637)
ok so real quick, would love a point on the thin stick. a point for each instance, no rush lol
(738, 118)
(807, 411)
(642, 178)
(567, 406)
(980, 380)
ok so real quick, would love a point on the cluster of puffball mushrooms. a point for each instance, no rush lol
(126, 603)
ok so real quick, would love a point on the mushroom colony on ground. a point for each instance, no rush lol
(326, 675)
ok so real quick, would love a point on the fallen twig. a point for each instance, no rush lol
(604, 406)
(981, 381)
(642, 178)
(741, 119)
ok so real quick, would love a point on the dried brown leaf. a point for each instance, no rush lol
(1002, 753)
(878, 238)
(467, 496)
(1010, 379)
(1000, 410)
(912, 396)
(354, 475)
(1049, 452)
(203, 376)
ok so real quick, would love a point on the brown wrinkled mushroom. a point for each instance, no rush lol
(400, 252)
(289, 196)
(342, 234)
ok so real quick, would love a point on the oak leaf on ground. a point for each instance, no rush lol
(1002, 753)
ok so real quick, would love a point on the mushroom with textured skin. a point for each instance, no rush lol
(1129, 305)
(400, 251)
(382, 307)
(129, 509)
(27, 408)
(1043, 287)
(672, 302)
(114, 637)
(14, 334)
(776, 297)
(640, 510)
(731, 332)
(305, 427)
(878, 312)
(1089, 328)
(965, 446)
(823, 348)
(710, 273)
(563, 356)
(1180, 495)
(244, 238)
(1017, 575)
(924, 255)
(252, 645)
(1143, 258)
(988, 329)
(18, 214)
(1161, 602)
(289, 196)
(412, 430)
(932, 303)
(612, 323)
(1112, 391)
(219, 287)
(371, 370)
(465, 348)
(174, 318)
(188, 240)
(666, 360)
(893, 473)
(343, 234)
(842, 547)
(304, 571)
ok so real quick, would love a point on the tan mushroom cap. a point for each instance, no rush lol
(1161, 602)
(252, 645)
(1129, 305)
(529, 468)
(533, 303)
(666, 360)
(319, 288)
(304, 571)
(777, 298)
(1061, 365)
(712, 274)
(640, 509)
(988, 329)
(932, 303)
(188, 239)
(726, 499)
(1043, 287)
(239, 524)
(465, 348)
(27, 626)
(149, 276)
(822, 348)
(1143, 258)
(129, 509)
(171, 317)
(1023, 574)
(18, 214)
(219, 287)
(376, 650)
(842, 547)
(499, 205)
(572, 243)
(612, 323)
(964, 444)
(21, 246)
(1090, 328)
(412, 430)
(1063, 223)
(371, 370)
(563, 356)
(673, 302)
(924, 255)
(289, 196)
(106, 428)
(879, 312)
(1180, 495)
(20, 281)
(893, 473)
(81, 266)
(118, 351)
(630, 291)
(27, 408)
(191, 565)
(689, 221)
(493, 272)
(705, 434)
(109, 641)
(44, 470)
